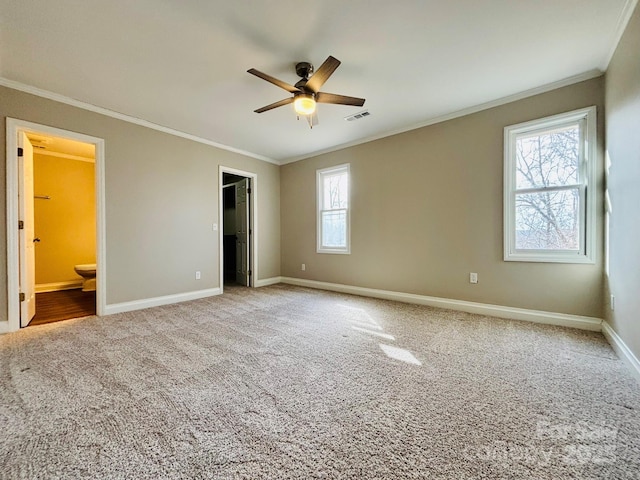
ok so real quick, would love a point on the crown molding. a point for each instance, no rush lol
(459, 113)
(5, 82)
(623, 21)
(432, 121)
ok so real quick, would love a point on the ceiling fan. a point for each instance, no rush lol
(306, 92)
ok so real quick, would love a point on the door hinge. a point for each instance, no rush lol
(249, 273)
(249, 191)
(20, 225)
(23, 297)
(20, 152)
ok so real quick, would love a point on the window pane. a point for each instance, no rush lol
(335, 191)
(548, 159)
(548, 220)
(334, 229)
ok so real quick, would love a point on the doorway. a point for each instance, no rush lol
(237, 201)
(55, 198)
(64, 228)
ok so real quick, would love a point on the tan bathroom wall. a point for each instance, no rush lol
(66, 223)
(161, 201)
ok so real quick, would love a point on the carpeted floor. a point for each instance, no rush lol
(291, 383)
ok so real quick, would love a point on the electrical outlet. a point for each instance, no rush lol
(304, 267)
(473, 277)
(197, 275)
(612, 302)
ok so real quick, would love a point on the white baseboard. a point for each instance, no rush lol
(58, 286)
(537, 316)
(265, 282)
(621, 348)
(158, 301)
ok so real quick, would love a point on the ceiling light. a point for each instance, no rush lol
(304, 104)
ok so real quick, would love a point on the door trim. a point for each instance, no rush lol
(253, 224)
(13, 284)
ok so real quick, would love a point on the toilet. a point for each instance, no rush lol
(88, 274)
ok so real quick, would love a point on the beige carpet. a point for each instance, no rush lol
(292, 383)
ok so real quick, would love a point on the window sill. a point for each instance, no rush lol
(542, 258)
(334, 251)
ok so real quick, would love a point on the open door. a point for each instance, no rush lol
(242, 232)
(238, 215)
(26, 234)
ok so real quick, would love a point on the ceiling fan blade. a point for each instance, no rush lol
(275, 81)
(286, 101)
(322, 97)
(322, 74)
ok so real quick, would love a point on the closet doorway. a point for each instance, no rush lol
(238, 257)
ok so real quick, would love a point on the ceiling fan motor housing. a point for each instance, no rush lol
(304, 69)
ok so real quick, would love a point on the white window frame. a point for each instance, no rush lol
(587, 187)
(320, 175)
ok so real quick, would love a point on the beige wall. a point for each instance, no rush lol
(161, 202)
(623, 147)
(427, 210)
(65, 224)
(426, 206)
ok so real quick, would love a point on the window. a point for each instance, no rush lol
(333, 209)
(549, 189)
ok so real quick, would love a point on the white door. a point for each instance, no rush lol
(27, 246)
(242, 232)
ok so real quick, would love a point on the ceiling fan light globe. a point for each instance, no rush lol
(304, 105)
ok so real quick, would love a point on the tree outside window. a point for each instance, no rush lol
(549, 207)
(333, 211)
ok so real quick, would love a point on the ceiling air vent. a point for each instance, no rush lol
(357, 116)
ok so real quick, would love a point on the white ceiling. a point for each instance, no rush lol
(182, 63)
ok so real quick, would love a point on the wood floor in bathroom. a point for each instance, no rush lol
(63, 305)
